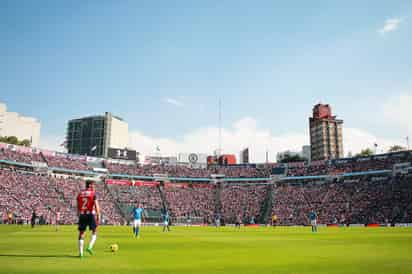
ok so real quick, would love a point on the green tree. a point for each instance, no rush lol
(396, 148)
(292, 158)
(365, 152)
(12, 140)
(25, 143)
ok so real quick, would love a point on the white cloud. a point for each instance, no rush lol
(354, 140)
(51, 142)
(173, 101)
(246, 133)
(243, 133)
(390, 25)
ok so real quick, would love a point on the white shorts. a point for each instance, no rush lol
(166, 223)
(313, 222)
(137, 222)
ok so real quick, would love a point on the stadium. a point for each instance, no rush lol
(371, 190)
(198, 137)
(352, 194)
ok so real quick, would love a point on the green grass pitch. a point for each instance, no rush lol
(209, 250)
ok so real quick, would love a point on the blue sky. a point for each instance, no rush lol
(163, 65)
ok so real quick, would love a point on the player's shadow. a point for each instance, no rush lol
(38, 256)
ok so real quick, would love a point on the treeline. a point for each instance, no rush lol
(370, 152)
(291, 158)
(13, 140)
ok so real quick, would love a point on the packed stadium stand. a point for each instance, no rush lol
(357, 200)
(359, 190)
(190, 202)
(28, 192)
(66, 162)
(20, 157)
(127, 197)
(348, 165)
(243, 200)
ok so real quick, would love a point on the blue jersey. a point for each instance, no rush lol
(313, 216)
(166, 217)
(137, 212)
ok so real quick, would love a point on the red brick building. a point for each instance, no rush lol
(325, 134)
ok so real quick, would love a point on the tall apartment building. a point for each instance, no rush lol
(23, 127)
(325, 134)
(95, 135)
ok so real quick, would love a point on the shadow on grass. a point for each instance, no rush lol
(38, 256)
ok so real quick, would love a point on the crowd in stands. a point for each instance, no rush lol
(379, 162)
(241, 172)
(20, 157)
(182, 171)
(357, 199)
(362, 200)
(243, 200)
(128, 197)
(191, 202)
(66, 162)
(68, 188)
(27, 193)
(150, 170)
(111, 213)
(27, 157)
(23, 193)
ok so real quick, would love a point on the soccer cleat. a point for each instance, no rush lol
(81, 256)
(90, 251)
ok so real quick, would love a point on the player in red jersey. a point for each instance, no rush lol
(89, 214)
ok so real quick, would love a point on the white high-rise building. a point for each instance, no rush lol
(23, 127)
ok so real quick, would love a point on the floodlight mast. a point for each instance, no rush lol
(220, 128)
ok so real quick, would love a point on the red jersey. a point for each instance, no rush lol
(85, 202)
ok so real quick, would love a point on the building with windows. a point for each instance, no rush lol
(23, 127)
(326, 140)
(95, 135)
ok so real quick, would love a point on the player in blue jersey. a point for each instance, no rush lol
(138, 218)
(313, 217)
(166, 220)
(217, 220)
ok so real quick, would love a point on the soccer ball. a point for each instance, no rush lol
(114, 247)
